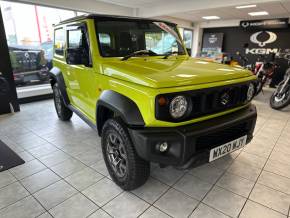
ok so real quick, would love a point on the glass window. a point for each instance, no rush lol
(161, 43)
(105, 39)
(187, 37)
(74, 38)
(30, 39)
(59, 41)
(119, 38)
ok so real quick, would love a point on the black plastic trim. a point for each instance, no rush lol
(110, 17)
(83, 117)
(122, 106)
(55, 75)
(183, 141)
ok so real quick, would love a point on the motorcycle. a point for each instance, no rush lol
(264, 71)
(281, 97)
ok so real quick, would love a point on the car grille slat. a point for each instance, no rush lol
(210, 102)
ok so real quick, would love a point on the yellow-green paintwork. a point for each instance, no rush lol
(142, 79)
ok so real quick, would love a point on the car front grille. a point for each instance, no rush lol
(207, 101)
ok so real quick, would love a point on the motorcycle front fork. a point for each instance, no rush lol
(281, 91)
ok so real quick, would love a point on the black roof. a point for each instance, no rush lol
(106, 17)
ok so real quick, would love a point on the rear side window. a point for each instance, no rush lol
(75, 38)
(59, 41)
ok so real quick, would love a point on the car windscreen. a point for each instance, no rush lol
(118, 38)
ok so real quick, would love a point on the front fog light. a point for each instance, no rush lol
(178, 106)
(251, 92)
(162, 146)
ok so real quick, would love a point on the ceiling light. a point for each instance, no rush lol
(211, 17)
(246, 6)
(258, 13)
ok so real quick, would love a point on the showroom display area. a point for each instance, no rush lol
(65, 169)
(62, 178)
(259, 42)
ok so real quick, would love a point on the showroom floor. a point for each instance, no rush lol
(65, 176)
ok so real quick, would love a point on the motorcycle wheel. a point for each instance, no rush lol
(279, 101)
(259, 86)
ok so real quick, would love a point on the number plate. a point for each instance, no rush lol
(227, 148)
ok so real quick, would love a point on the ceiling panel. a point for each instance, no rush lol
(275, 9)
(134, 3)
(286, 5)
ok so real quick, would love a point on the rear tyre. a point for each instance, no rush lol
(63, 112)
(125, 167)
(279, 101)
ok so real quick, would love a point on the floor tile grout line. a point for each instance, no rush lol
(267, 207)
(264, 164)
(26, 197)
(61, 178)
(70, 155)
(168, 188)
(96, 211)
(201, 201)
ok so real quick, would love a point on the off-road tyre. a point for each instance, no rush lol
(63, 112)
(137, 169)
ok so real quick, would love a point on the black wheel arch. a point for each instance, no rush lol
(55, 76)
(111, 104)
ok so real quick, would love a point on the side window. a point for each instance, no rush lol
(78, 51)
(59, 41)
(75, 38)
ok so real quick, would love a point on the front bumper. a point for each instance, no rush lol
(190, 145)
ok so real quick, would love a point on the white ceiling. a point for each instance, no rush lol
(194, 10)
(275, 9)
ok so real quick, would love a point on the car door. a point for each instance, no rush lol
(83, 77)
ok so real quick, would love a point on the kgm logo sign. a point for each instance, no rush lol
(272, 37)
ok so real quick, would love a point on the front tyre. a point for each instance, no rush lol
(280, 100)
(62, 111)
(125, 167)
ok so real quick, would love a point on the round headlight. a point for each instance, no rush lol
(251, 92)
(178, 106)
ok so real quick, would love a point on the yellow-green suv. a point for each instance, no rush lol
(132, 80)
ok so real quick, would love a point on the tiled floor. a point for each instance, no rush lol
(65, 176)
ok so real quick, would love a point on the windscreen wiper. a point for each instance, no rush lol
(170, 53)
(140, 52)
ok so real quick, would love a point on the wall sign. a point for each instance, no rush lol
(212, 44)
(260, 43)
(280, 23)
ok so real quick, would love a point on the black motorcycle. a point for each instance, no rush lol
(281, 97)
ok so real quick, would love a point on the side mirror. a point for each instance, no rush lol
(77, 56)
